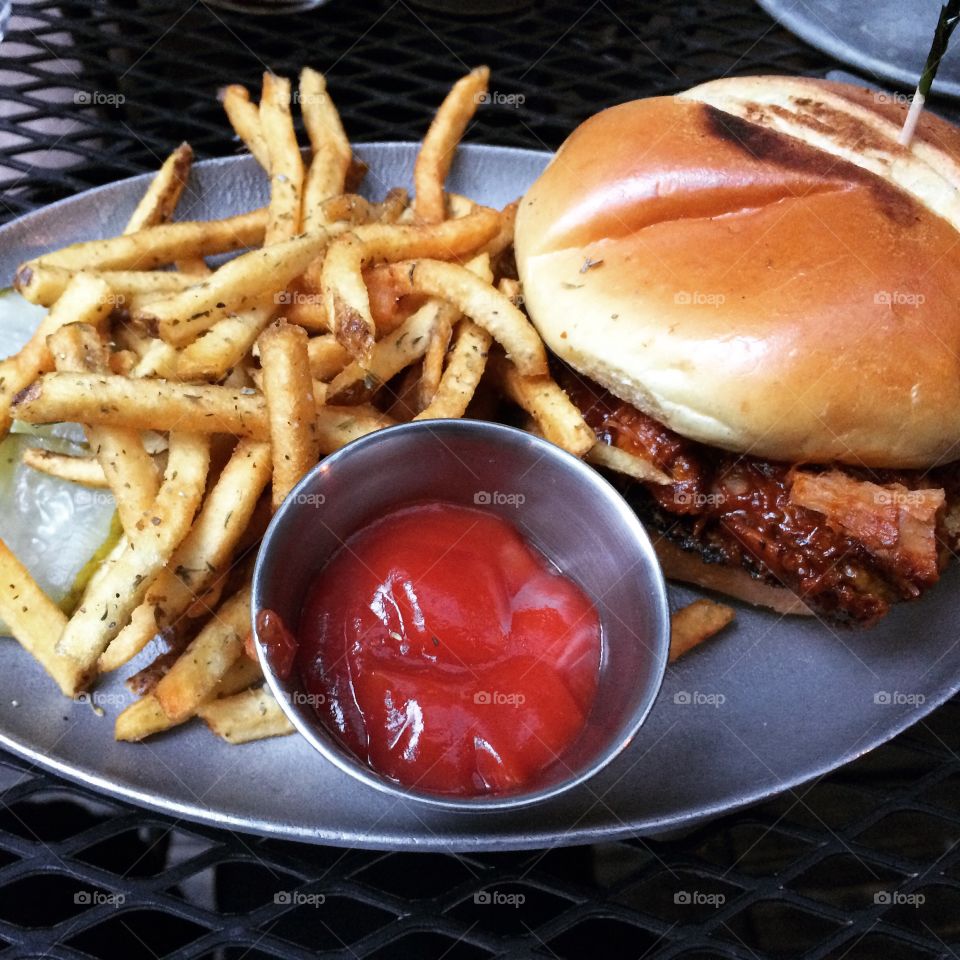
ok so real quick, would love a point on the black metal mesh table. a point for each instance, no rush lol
(862, 864)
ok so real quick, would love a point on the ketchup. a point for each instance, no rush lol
(445, 652)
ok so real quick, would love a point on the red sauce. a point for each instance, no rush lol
(445, 652)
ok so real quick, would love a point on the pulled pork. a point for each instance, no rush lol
(848, 542)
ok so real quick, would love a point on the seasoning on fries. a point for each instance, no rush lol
(200, 386)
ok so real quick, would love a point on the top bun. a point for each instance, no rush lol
(759, 265)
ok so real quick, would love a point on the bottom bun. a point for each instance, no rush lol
(687, 567)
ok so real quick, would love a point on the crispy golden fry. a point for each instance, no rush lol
(468, 359)
(83, 470)
(436, 353)
(239, 283)
(337, 426)
(288, 388)
(163, 194)
(43, 285)
(613, 458)
(484, 305)
(86, 300)
(224, 345)
(440, 143)
(36, 622)
(142, 404)
(129, 470)
(390, 355)
(154, 246)
(327, 357)
(145, 717)
(393, 206)
(556, 416)
(286, 164)
(207, 548)
(158, 360)
(196, 673)
(504, 237)
(695, 623)
(197, 267)
(110, 599)
(347, 298)
(330, 163)
(252, 715)
(244, 117)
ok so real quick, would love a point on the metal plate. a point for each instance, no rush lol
(771, 704)
(886, 39)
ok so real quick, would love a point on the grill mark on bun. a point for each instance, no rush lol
(771, 146)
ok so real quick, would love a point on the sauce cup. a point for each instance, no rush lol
(561, 506)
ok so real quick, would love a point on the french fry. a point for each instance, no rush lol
(154, 246)
(468, 359)
(329, 144)
(158, 360)
(291, 408)
(83, 470)
(338, 426)
(698, 621)
(109, 600)
(327, 357)
(212, 539)
(86, 300)
(142, 404)
(347, 298)
(239, 283)
(129, 470)
(440, 338)
(145, 717)
(286, 164)
(440, 143)
(556, 416)
(247, 716)
(390, 355)
(504, 237)
(484, 305)
(163, 194)
(44, 284)
(224, 345)
(194, 676)
(36, 622)
(244, 117)
(613, 458)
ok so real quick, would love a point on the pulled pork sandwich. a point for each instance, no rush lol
(753, 286)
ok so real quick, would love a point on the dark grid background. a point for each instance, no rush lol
(862, 864)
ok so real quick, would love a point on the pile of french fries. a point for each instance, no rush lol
(206, 394)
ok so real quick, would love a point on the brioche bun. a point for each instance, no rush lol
(758, 265)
